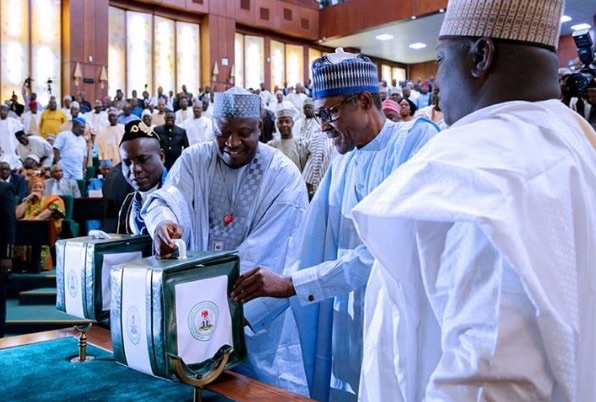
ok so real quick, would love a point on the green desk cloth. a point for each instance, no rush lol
(43, 372)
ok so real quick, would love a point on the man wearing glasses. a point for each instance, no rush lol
(330, 266)
(235, 193)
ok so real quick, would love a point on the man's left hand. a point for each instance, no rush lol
(260, 282)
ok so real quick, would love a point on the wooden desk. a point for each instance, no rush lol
(231, 385)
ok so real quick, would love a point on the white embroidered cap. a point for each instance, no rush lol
(534, 23)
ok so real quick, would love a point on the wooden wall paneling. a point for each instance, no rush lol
(201, 6)
(312, 16)
(357, 15)
(306, 64)
(422, 70)
(267, 63)
(222, 7)
(76, 35)
(86, 28)
(267, 8)
(180, 4)
(245, 16)
(219, 44)
(286, 10)
(423, 7)
(102, 37)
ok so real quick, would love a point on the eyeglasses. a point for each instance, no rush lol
(325, 115)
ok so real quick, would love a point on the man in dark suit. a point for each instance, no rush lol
(143, 167)
(173, 139)
(18, 182)
(8, 224)
(115, 189)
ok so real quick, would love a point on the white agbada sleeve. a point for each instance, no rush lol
(490, 341)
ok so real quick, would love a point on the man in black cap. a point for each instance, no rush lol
(143, 168)
(173, 139)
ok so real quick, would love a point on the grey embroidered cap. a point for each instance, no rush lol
(343, 73)
(236, 103)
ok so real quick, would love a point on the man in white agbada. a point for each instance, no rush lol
(35, 145)
(234, 193)
(199, 128)
(332, 265)
(485, 281)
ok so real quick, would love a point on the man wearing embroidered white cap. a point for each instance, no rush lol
(485, 283)
(330, 268)
(235, 193)
(295, 148)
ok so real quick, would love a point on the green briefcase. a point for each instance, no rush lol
(176, 307)
(83, 271)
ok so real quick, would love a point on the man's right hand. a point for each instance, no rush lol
(165, 233)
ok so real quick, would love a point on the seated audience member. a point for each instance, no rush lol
(295, 148)
(391, 110)
(143, 167)
(407, 110)
(35, 145)
(37, 206)
(18, 182)
(59, 185)
(31, 167)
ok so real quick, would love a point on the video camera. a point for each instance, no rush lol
(586, 76)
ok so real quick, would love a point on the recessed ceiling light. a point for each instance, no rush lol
(579, 27)
(417, 45)
(441, 10)
(413, 17)
(384, 37)
(565, 18)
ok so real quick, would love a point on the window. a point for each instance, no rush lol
(295, 64)
(147, 51)
(313, 54)
(277, 65)
(30, 47)
(249, 53)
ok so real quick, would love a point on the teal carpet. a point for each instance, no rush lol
(43, 372)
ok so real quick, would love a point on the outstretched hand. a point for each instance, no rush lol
(165, 233)
(260, 282)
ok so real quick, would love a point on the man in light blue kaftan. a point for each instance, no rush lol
(235, 193)
(329, 265)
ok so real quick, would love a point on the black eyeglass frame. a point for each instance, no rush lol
(325, 115)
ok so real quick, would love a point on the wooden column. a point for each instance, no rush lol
(84, 41)
(217, 46)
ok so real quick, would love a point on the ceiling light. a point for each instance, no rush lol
(565, 18)
(417, 45)
(384, 37)
(413, 17)
(441, 10)
(579, 27)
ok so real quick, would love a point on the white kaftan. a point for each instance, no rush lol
(267, 201)
(485, 281)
